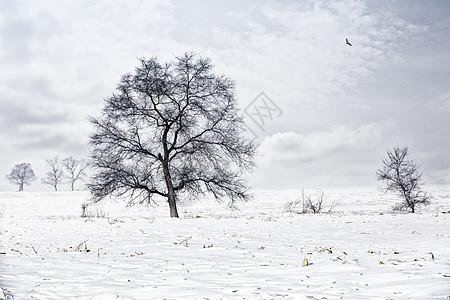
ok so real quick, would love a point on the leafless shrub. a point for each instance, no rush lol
(83, 210)
(297, 206)
(315, 205)
(92, 212)
(311, 203)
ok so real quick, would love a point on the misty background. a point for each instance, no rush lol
(339, 107)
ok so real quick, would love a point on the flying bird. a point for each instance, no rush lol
(347, 42)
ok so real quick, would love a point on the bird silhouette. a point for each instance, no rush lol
(347, 42)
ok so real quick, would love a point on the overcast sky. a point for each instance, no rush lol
(336, 108)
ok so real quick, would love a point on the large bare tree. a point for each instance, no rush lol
(402, 177)
(55, 173)
(22, 174)
(171, 129)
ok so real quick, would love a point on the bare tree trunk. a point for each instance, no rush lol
(171, 199)
(172, 204)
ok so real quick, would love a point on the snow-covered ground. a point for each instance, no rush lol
(360, 251)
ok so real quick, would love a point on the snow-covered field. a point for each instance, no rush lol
(360, 251)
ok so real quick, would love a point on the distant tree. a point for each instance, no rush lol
(402, 177)
(76, 169)
(55, 173)
(170, 129)
(22, 174)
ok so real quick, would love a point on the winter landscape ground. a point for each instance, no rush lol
(360, 251)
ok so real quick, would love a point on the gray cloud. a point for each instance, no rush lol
(17, 114)
(331, 157)
(297, 147)
(15, 35)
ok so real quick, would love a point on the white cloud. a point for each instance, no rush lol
(337, 156)
(302, 148)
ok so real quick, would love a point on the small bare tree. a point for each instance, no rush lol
(55, 174)
(76, 169)
(22, 174)
(402, 177)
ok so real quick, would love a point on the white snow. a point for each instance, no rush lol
(360, 251)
